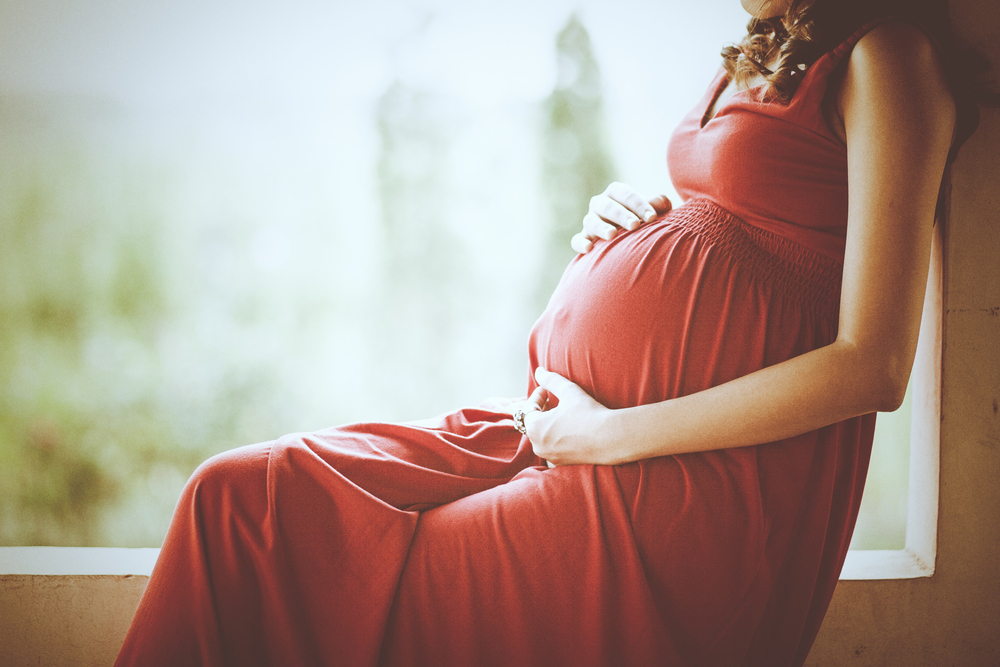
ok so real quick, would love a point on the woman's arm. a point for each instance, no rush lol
(898, 118)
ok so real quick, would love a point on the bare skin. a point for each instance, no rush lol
(897, 117)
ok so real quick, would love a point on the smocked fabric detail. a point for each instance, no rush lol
(798, 272)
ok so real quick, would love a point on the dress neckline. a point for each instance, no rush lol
(713, 107)
(713, 99)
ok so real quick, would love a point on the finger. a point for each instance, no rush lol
(530, 418)
(537, 400)
(594, 227)
(559, 386)
(631, 200)
(661, 204)
(613, 211)
(580, 243)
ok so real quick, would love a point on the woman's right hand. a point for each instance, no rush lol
(618, 207)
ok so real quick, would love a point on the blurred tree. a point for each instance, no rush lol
(89, 406)
(576, 163)
(76, 286)
(420, 298)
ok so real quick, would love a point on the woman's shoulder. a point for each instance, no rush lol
(895, 69)
(896, 49)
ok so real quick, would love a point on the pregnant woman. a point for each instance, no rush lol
(681, 484)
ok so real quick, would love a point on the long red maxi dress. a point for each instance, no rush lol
(450, 543)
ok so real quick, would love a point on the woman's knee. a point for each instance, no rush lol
(230, 471)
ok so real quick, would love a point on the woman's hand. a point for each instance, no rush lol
(566, 430)
(618, 207)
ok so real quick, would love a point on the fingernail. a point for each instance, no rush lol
(539, 372)
(650, 214)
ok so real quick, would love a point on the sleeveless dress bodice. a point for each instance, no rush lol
(776, 166)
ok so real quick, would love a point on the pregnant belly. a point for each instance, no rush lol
(681, 305)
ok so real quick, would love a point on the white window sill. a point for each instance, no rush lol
(83, 561)
(902, 564)
(77, 561)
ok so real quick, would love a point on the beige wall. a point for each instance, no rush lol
(952, 618)
(65, 621)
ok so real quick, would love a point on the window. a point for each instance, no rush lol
(219, 246)
(917, 557)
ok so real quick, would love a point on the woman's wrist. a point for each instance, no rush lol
(615, 445)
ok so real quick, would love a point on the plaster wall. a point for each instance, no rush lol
(65, 621)
(951, 618)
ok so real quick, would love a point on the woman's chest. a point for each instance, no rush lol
(772, 165)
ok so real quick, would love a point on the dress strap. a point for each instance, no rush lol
(805, 107)
(833, 58)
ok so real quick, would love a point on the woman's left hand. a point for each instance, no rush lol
(571, 432)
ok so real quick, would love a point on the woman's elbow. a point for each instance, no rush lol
(877, 379)
(890, 386)
(891, 399)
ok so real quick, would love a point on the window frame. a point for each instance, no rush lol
(917, 558)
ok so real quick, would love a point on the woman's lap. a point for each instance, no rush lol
(538, 571)
(424, 543)
(582, 565)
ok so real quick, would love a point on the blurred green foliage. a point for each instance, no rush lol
(78, 279)
(96, 435)
(424, 285)
(576, 162)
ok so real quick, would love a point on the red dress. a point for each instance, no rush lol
(451, 543)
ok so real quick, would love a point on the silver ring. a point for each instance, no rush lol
(519, 420)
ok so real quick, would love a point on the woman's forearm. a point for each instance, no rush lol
(810, 391)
